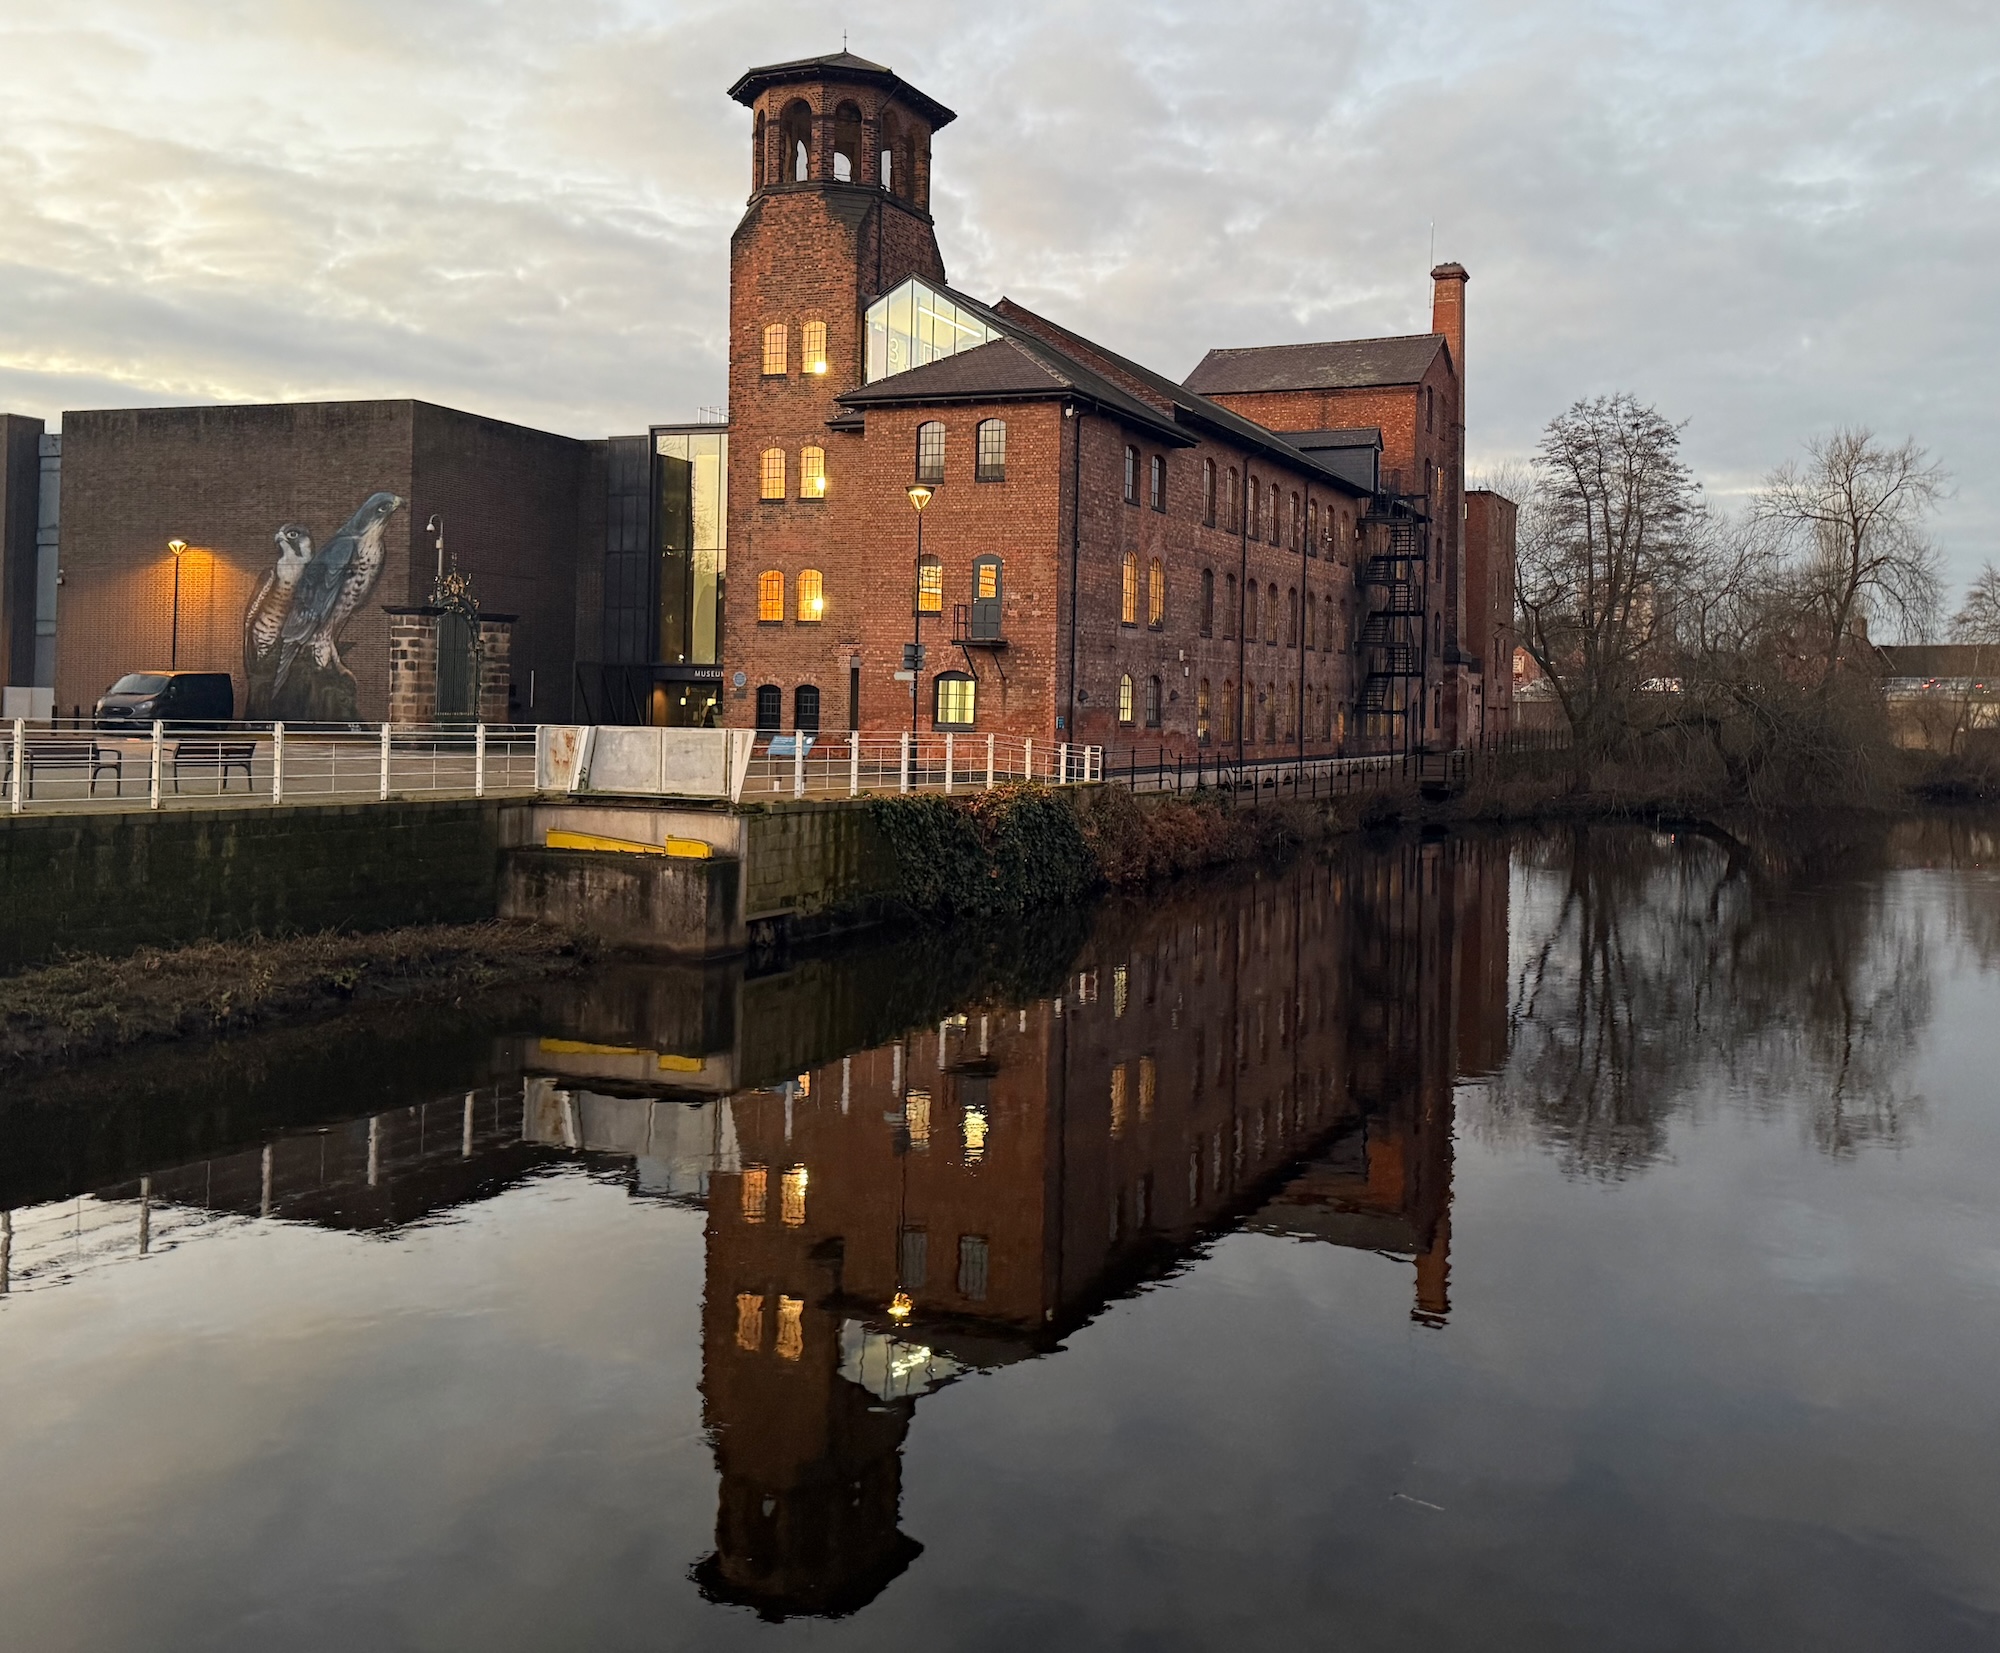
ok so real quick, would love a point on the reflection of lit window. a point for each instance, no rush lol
(1118, 1100)
(1120, 989)
(792, 1197)
(753, 1193)
(803, 1084)
(1149, 1084)
(791, 1341)
(972, 1267)
(1086, 987)
(930, 585)
(917, 1118)
(975, 1135)
(749, 1320)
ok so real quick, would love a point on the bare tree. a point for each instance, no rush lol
(1853, 515)
(1978, 618)
(1606, 551)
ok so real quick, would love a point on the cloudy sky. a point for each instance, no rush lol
(1768, 218)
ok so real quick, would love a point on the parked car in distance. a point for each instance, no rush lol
(178, 699)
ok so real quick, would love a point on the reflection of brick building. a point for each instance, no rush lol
(1110, 555)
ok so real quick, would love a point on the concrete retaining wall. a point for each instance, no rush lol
(678, 906)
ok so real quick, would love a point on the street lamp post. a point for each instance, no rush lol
(179, 549)
(920, 496)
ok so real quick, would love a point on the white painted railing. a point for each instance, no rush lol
(847, 765)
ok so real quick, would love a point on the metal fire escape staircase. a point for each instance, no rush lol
(1392, 631)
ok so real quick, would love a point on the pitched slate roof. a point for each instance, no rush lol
(839, 66)
(1338, 364)
(1351, 436)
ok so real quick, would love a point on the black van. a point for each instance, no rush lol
(137, 699)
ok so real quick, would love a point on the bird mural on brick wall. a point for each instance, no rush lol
(299, 611)
(291, 631)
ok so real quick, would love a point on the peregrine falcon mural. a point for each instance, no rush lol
(291, 630)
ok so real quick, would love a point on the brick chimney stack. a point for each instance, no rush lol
(1448, 317)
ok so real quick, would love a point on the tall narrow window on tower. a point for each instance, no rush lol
(812, 473)
(887, 137)
(795, 130)
(777, 350)
(1128, 594)
(846, 144)
(771, 474)
(930, 451)
(812, 347)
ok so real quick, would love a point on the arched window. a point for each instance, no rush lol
(812, 347)
(1201, 732)
(1229, 605)
(771, 474)
(1271, 613)
(776, 351)
(770, 707)
(888, 135)
(812, 596)
(954, 702)
(990, 451)
(1291, 617)
(1298, 526)
(1271, 513)
(1250, 632)
(930, 585)
(795, 130)
(1312, 527)
(1252, 494)
(1156, 595)
(812, 473)
(1208, 602)
(770, 597)
(1152, 703)
(846, 144)
(805, 709)
(1157, 482)
(1437, 633)
(1312, 619)
(1131, 475)
(1208, 493)
(985, 599)
(930, 451)
(1128, 605)
(1125, 701)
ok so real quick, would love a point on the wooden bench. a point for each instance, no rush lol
(61, 752)
(216, 756)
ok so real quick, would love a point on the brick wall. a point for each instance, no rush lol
(1489, 580)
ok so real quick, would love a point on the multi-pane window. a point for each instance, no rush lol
(1271, 613)
(1250, 591)
(1128, 600)
(957, 695)
(812, 595)
(930, 451)
(1208, 602)
(812, 347)
(770, 718)
(1208, 493)
(991, 443)
(1297, 543)
(1229, 500)
(1201, 713)
(1131, 475)
(1157, 483)
(1125, 701)
(812, 473)
(1312, 619)
(771, 474)
(1156, 595)
(776, 350)
(1152, 703)
(771, 595)
(805, 709)
(1229, 606)
(1312, 527)
(1253, 494)
(930, 585)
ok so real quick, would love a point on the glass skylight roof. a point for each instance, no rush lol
(916, 324)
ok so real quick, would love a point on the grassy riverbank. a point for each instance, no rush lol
(88, 1006)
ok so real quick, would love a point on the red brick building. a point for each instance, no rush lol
(1266, 560)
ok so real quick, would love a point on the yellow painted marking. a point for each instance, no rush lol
(681, 1064)
(579, 1047)
(686, 849)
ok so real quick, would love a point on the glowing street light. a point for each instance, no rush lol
(179, 549)
(920, 496)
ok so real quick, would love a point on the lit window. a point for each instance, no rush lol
(1131, 476)
(1158, 483)
(1149, 1086)
(1125, 702)
(930, 451)
(812, 348)
(1121, 989)
(775, 350)
(770, 595)
(1118, 1101)
(972, 1267)
(956, 695)
(754, 1190)
(792, 1197)
(917, 1118)
(791, 1339)
(1156, 595)
(812, 598)
(812, 473)
(930, 585)
(1201, 704)
(749, 1320)
(771, 474)
(986, 579)
(975, 1135)
(991, 463)
(1128, 605)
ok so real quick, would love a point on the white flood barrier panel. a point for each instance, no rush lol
(641, 762)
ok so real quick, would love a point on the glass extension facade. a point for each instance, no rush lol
(915, 324)
(691, 514)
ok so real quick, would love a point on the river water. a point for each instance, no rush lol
(1560, 1240)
